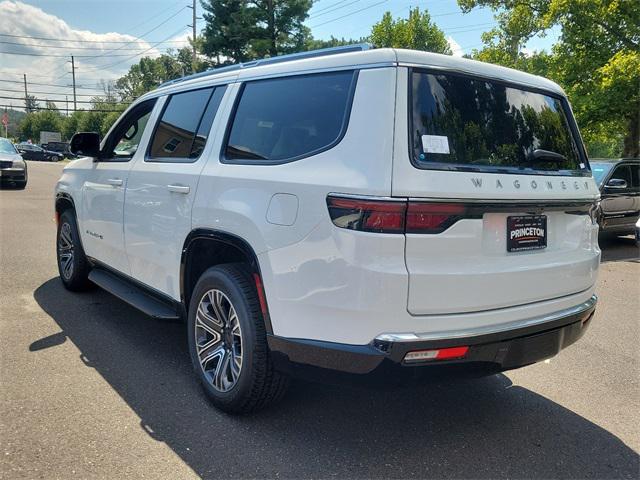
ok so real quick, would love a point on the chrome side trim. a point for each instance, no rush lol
(413, 337)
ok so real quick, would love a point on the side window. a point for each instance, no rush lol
(284, 119)
(622, 172)
(124, 140)
(182, 131)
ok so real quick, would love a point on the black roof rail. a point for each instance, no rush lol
(358, 47)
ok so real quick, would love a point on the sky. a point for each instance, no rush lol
(107, 36)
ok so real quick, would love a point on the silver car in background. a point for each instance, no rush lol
(13, 169)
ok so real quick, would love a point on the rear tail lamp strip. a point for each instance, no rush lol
(393, 216)
(390, 215)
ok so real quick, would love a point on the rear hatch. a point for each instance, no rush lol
(501, 196)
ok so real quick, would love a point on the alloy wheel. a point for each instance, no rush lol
(66, 251)
(218, 338)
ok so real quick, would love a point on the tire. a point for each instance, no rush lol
(74, 270)
(236, 371)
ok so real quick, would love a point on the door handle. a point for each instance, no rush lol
(116, 182)
(179, 188)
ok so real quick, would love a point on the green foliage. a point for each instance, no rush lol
(417, 32)
(242, 30)
(597, 58)
(148, 73)
(31, 103)
(43, 120)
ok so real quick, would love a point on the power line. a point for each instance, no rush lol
(50, 84)
(349, 14)
(85, 41)
(66, 56)
(21, 99)
(99, 67)
(57, 110)
(66, 47)
(49, 93)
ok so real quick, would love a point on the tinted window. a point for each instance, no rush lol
(458, 121)
(623, 172)
(185, 124)
(600, 171)
(286, 118)
(124, 140)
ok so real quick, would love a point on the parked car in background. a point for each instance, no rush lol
(13, 169)
(30, 151)
(619, 183)
(60, 147)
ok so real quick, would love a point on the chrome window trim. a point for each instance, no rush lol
(450, 335)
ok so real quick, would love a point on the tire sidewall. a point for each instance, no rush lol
(217, 278)
(68, 217)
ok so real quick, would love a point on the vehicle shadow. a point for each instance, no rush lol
(484, 428)
(617, 249)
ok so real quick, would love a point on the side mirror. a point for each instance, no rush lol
(86, 144)
(616, 183)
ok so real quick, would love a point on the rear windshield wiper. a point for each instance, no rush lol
(545, 155)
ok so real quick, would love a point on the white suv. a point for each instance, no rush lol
(383, 213)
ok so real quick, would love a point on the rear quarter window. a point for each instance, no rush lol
(285, 119)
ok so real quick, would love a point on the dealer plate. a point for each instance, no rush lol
(526, 232)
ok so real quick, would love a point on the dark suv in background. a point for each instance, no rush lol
(59, 147)
(619, 183)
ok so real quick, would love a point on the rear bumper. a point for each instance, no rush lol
(383, 359)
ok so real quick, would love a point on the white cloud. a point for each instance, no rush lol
(26, 22)
(455, 47)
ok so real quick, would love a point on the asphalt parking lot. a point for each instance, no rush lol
(89, 387)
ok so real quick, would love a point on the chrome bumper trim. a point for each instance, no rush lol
(416, 337)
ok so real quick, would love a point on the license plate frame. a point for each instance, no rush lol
(526, 233)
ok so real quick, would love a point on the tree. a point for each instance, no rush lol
(243, 30)
(280, 28)
(36, 122)
(30, 103)
(596, 60)
(417, 32)
(149, 73)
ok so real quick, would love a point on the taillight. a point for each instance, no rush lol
(380, 216)
(432, 217)
(393, 216)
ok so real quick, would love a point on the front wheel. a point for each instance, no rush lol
(73, 265)
(228, 343)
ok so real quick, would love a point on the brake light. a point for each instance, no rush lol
(380, 216)
(440, 354)
(393, 216)
(432, 217)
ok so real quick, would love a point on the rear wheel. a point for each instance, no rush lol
(228, 344)
(73, 265)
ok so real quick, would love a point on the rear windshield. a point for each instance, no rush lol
(466, 123)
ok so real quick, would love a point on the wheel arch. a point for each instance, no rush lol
(205, 248)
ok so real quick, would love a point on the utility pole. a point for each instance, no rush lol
(73, 74)
(193, 35)
(26, 94)
(66, 99)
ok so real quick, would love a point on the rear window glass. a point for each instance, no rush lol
(474, 124)
(185, 124)
(287, 118)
